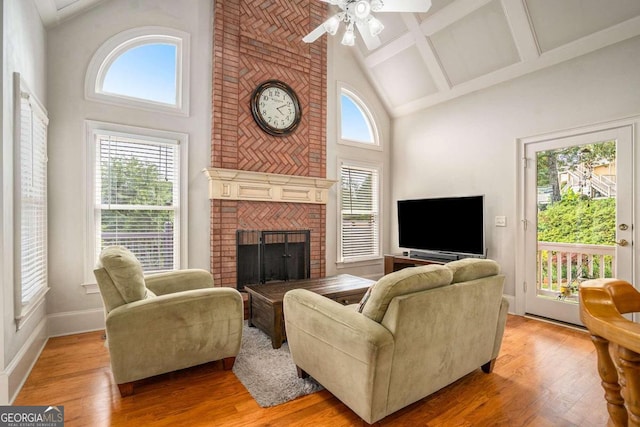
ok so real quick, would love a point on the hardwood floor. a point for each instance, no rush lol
(545, 376)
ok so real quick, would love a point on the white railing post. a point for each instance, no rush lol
(597, 252)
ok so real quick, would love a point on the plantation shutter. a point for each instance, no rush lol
(359, 213)
(31, 192)
(137, 199)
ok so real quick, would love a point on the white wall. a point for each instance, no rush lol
(343, 68)
(70, 48)
(23, 48)
(468, 145)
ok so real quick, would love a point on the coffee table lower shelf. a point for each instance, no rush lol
(265, 301)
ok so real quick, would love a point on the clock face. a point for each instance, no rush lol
(275, 108)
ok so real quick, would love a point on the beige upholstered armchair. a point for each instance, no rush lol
(415, 332)
(164, 322)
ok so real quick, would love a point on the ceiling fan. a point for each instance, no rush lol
(358, 13)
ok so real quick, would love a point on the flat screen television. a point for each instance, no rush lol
(449, 226)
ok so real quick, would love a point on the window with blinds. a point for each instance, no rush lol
(359, 211)
(31, 199)
(137, 198)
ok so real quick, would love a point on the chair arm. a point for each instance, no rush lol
(324, 319)
(174, 331)
(345, 351)
(178, 280)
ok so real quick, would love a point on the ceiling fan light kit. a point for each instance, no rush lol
(358, 13)
(349, 37)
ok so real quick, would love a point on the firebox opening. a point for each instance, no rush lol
(265, 256)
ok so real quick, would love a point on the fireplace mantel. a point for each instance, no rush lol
(234, 184)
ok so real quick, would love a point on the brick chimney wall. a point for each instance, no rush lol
(254, 41)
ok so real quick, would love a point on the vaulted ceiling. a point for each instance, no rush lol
(461, 46)
(54, 12)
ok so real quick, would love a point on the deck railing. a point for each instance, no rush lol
(561, 266)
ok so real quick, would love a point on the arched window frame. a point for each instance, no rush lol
(344, 89)
(121, 43)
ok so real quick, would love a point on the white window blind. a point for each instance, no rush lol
(31, 203)
(359, 213)
(137, 198)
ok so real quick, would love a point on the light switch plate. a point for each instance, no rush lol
(501, 221)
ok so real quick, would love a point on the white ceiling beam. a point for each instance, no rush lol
(450, 14)
(427, 53)
(521, 29)
(389, 50)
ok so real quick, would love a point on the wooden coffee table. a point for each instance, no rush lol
(265, 301)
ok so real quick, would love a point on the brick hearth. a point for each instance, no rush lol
(256, 41)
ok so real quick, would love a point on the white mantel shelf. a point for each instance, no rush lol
(233, 184)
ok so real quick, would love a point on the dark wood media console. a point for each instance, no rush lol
(398, 262)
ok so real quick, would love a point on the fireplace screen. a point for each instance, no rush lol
(267, 256)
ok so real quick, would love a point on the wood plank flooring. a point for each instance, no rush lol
(545, 376)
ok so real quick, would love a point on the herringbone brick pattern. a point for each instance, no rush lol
(279, 23)
(287, 155)
(254, 41)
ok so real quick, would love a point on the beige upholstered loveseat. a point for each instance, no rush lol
(420, 329)
(164, 322)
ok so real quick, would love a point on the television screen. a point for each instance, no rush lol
(449, 224)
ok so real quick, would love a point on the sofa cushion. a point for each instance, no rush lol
(472, 268)
(125, 272)
(402, 282)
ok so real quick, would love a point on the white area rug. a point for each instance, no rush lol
(269, 374)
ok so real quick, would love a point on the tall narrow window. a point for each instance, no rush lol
(31, 200)
(356, 123)
(359, 212)
(137, 197)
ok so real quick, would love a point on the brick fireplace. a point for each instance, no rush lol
(256, 41)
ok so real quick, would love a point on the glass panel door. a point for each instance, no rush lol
(579, 211)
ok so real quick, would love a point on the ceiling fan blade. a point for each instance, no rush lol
(405, 6)
(372, 42)
(315, 34)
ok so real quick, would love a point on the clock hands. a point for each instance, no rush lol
(280, 111)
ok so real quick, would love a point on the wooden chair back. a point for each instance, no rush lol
(603, 302)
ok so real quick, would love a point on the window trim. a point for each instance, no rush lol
(23, 311)
(341, 261)
(93, 128)
(345, 89)
(122, 42)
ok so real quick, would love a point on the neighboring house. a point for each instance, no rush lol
(450, 103)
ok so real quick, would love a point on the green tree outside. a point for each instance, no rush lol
(131, 182)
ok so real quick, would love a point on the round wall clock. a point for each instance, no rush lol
(275, 108)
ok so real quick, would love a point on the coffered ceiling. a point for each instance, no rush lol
(461, 46)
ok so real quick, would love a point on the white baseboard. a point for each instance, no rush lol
(16, 373)
(75, 322)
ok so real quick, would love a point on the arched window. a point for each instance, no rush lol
(356, 122)
(144, 67)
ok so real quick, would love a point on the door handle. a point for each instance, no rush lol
(622, 242)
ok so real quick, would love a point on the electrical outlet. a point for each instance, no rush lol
(501, 221)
